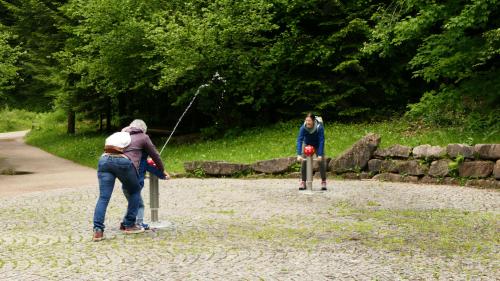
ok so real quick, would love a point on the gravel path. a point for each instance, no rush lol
(224, 230)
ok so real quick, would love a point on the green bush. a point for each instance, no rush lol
(18, 119)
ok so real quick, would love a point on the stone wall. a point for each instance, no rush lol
(477, 165)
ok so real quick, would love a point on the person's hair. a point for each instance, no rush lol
(139, 124)
(310, 114)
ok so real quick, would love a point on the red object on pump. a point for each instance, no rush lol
(309, 150)
(151, 162)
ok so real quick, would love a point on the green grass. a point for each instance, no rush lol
(17, 120)
(437, 232)
(255, 144)
(444, 232)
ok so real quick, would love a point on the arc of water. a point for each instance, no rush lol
(216, 77)
(182, 116)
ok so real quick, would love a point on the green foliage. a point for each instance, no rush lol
(106, 57)
(83, 148)
(199, 173)
(33, 25)
(318, 64)
(17, 120)
(8, 58)
(441, 108)
(195, 41)
(454, 48)
(454, 165)
(349, 60)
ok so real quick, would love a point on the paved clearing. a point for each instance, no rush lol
(230, 229)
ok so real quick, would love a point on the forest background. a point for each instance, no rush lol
(105, 62)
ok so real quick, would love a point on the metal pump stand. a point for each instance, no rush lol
(309, 173)
(154, 197)
(309, 152)
(154, 203)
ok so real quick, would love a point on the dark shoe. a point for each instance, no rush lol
(98, 235)
(134, 229)
(323, 186)
(302, 185)
(143, 225)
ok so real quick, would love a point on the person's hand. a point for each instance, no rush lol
(299, 158)
(167, 176)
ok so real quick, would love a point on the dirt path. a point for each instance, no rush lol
(24, 168)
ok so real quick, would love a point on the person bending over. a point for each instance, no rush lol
(312, 133)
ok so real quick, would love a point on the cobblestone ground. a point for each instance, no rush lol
(228, 229)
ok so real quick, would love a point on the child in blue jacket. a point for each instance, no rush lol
(312, 133)
(143, 168)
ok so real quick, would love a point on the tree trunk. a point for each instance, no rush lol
(108, 115)
(71, 121)
(122, 110)
(100, 122)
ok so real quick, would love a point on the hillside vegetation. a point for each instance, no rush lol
(276, 140)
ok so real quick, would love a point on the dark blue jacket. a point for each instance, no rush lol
(316, 139)
(144, 167)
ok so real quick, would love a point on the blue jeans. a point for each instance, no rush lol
(110, 168)
(143, 168)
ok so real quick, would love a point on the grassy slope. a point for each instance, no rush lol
(17, 120)
(255, 144)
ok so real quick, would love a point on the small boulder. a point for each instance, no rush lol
(439, 168)
(496, 170)
(429, 180)
(476, 169)
(410, 179)
(356, 176)
(377, 166)
(356, 157)
(374, 165)
(388, 177)
(316, 164)
(395, 178)
(487, 151)
(411, 167)
(407, 167)
(350, 176)
(455, 149)
(451, 181)
(274, 166)
(395, 151)
(215, 168)
(365, 176)
(428, 151)
(483, 183)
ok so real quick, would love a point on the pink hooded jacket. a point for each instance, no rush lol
(141, 142)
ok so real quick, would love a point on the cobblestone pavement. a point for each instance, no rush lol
(230, 229)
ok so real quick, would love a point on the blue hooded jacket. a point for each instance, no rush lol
(144, 167)
(316, 138)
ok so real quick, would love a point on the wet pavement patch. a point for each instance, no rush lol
(13, 172)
